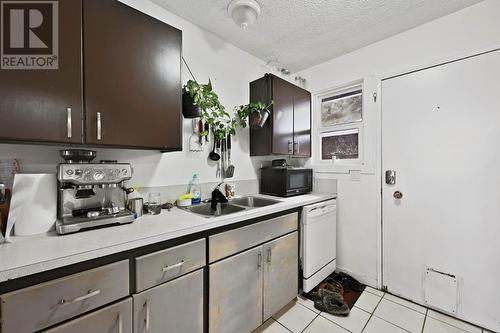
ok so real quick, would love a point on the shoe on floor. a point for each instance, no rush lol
(348, 282)
(332, 303)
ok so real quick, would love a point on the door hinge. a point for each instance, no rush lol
(375, 97)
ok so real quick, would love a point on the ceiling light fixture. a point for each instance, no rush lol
(244, 12)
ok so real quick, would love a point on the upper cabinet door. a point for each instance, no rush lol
(44, 105)
(302, 122)
(282, 117)
(132, 65)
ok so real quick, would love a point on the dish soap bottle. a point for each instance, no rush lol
(195, 189)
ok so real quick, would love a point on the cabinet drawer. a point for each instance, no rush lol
(233, 241)
(158, 267)
(114, 318)
(35, 308)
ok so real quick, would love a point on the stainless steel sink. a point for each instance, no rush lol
(253, 202)
(222, 209)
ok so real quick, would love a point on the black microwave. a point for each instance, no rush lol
(285, 181)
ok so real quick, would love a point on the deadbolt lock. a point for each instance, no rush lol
(398, 195)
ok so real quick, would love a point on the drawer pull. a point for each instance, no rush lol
(120, 323)
(146, 320)
(269, 255)
(168, 268)
(78, 299)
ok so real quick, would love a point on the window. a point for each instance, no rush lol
(341, 145)
(339, 126)
(342, 109)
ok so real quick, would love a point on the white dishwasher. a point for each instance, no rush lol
(318, 242)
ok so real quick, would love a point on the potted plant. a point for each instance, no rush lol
(256, 113)
(197, 98)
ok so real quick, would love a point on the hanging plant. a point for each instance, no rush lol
(255, 112)
(214, 113)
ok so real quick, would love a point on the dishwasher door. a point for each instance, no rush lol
(319, 242)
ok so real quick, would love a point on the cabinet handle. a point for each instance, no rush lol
(120, 323)
(78, 299)
(68, 123)
(146, 320)
(296, 147)
(259, 260)
(269, 255)
(290, 147)
(167, 268)
(99, 126)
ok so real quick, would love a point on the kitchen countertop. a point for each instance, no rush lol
(34, 254)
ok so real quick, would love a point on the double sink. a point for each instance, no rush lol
(233, 206)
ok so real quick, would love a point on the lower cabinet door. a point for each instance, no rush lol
(281, 269)
(116, 318)
(235, 294)
(175, 306)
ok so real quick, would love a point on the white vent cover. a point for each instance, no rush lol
(441, 291)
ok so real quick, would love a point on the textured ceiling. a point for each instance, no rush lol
(298, 34)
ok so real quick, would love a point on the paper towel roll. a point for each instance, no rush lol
(33, 207)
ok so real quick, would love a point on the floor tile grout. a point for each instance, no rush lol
(305, 328)
(425, 320)
(371, 314)
(405, 305)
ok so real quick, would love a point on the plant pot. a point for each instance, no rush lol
(189, 110)
(258, 120)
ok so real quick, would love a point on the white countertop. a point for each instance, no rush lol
(33, 254)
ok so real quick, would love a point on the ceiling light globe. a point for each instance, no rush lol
(244, 12)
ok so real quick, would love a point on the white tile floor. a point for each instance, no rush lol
(374, 312)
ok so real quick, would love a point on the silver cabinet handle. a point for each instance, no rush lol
(296, 147)
(99, 126)
(259, 260)
(290, 147)
(269, 255)
(179, 264)
(78, 299)
(146, 320)
(120, 323)
(68, 123)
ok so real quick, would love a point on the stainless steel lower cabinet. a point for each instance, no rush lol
(235, 294)
(116, 318)
(281, 271)
(175, 306)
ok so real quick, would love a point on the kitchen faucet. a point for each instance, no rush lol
(217, 197)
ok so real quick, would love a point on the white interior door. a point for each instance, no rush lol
(441, 134)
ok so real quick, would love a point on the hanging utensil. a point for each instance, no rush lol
(230, 168)
(200, 131)
(194, 143)
(213, 155)
(223, 157)
(217, 143)
(207, 130)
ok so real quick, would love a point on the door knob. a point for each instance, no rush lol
(398, 195)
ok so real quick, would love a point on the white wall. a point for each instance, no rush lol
(208, 56)
(465, 32)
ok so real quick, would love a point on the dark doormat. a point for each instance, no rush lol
(352, 288)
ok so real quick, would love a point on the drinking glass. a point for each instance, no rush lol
(154, 203)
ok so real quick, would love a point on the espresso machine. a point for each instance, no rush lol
(90, 194)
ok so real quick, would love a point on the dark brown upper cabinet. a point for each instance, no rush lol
(288, 130)
(132, 70)
(45, 105)
(131, 95)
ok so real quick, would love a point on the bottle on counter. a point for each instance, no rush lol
(195, 189)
